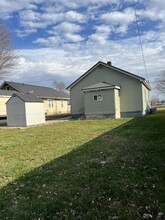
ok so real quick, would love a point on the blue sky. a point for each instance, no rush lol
(62, 39)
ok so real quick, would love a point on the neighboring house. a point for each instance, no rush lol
(54, 102)
(25, 110)
(107, 91)
(4, 97)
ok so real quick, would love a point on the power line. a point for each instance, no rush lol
(147, 61)
(140, 40)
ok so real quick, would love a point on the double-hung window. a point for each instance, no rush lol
(51, 103)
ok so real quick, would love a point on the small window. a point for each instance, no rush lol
(98, 98)
(7, 88)
(51, 103)
(95, 97)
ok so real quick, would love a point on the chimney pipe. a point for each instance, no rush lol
(109, 63)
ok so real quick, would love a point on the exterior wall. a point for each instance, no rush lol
(15, 112)
(99, 109)
(3, 100)
(130, 93)
(34, 113)
(145, 101)
(58, 107)
(117, 103)
(62, 106)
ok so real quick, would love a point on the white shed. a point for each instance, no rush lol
(24, 110)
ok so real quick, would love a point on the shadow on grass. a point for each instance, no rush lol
(114, 176)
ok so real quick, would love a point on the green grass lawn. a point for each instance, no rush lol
(100, 169)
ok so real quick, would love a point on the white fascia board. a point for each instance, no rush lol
(98, 89)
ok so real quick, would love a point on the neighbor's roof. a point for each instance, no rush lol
(113, 68)
(101, 86)
(4, 92)
(39, 91)
(26, 97)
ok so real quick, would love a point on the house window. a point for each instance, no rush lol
(98, 98)
(51, 103)
(7, 88)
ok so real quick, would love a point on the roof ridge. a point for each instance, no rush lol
(110, 67)
(30, 85)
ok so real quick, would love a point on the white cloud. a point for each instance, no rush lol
(73, 37)
(61, 34)
(30, 19)
(119, 17)
(50, 41)
(7, 7)
(101, 34)
(67, 27)
(75, 16)
(72, 60)
(120, 20)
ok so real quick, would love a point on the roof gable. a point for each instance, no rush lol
(39, 91)
(141, 79)
(100, 86)
(26, 97)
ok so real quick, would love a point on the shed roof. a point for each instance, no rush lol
(101, 85)
(26, 97)
(141, 79)
(39, 91)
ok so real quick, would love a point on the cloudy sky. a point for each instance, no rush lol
(62, 39)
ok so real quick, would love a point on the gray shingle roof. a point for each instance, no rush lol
(101, 85)
(27, 97)
(6, 92)
(39, 91)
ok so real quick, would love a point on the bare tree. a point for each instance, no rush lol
(154, 100)
(7, 54)
(160, 82)
(59, 86)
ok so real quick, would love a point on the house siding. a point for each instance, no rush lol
(16, 112)
(34, 113)
(130, 94)
(106, 106)
(3, 101)
(59, 107)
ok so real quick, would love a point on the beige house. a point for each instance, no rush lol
(55, 102)
(4, 97)
(107, 91)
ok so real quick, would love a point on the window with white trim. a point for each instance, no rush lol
(51, 103)
(98, 98)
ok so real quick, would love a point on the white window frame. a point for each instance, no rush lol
(98, 98)
(51, 103)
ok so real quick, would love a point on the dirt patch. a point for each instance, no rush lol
(114, 138)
